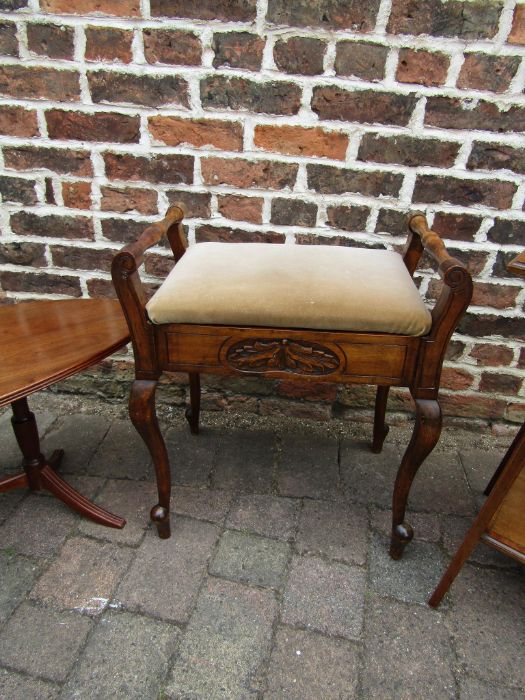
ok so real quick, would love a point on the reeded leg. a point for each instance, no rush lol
(26, 433)
(380, 429)
(424, 438)
(193, 410)
(144, 417)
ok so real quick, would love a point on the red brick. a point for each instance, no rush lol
(238, 50)
(168, 168)
(108, 44)
(347, 218)
(82, 258)
(52, 225)
(491, 355)
(500, 296)
(17, 121)
(455, 350)
(144, 90)
(407, 150)
(77, 195)
(40, 283)
(496, 156)
(122, 230)
(293, 212)
(31, 82)
(23, 253)
(272, 97)
(328, 14)
(422, 67)
(483, 72)
(301, 141)
(452, 113)
(493, 383)
(318, 239)
(457, 227)
(98, 126)
(196, 204)
(330, 180)
(158, 265)
(487, 325)
(471, 405)
(126, 199)
(17, 189)
(309, 391)
(499, 268)
(455, 190)
(517, 33)
(238, 172)
(101, 289)
(515, 412)
(226, 10)
(59, 160)
(362, 106)
(507, 231)
(206, 233)
(53, 40)
(117, 8)
(361, 60)
(8, 39)
(226, 135)
(172, 46)
(240, 208)
(299, 54)
(455, 378)
(393, 222)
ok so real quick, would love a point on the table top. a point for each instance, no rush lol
(42, 342)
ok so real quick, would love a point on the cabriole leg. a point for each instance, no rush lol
(380, 429)
(193, 410)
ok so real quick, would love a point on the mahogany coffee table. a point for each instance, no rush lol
(43, 342)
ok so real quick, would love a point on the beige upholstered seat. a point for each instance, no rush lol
(291, 286)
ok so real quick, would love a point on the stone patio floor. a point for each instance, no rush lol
(276, 582)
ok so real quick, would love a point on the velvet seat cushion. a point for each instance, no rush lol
(291, 286)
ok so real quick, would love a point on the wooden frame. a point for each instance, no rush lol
(345, 357)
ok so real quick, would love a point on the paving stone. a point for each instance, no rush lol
(227, 638)
(440, 486)
(135, 668)
(14, 686)
(165, 576)
(337, 530)
(245, 461)
(309, 467)
(454, 529)
(84, 576)
(203, 504)
(327, 597)
(9, 501)
(426, 525)
(192, 457)
(78, 435)
(42, 642)
(479, 466)
(131, 500)
(307, 665)
(471, 689)
(88, 486)
(368, 477)
(408, 652)
(269, 516)
(122, 454)
(17, 576)
(488, 620)
(11, 455)
(250, 559)
(38, 527)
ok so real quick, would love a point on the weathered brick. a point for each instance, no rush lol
(328, 14)
(196, 204)
(149, 90)
(40, 283)
(361, 60)
(172, 46)
(32, 82)
(53, 40)
(347, 218)
(59, 160)
(206, 233)
(238, 50)
(299, 54)
(17, 121)
(226, 135)
(125, 199)
(363, 106)
(407, 150)
(453, 113)
(101, 289)
(500, 383)
(118, 8)
(484, 72)
(504, 231)
(495, 156)
(309, 391)
(272, 97)
(318, 239)
(461, 227)
(293, 212)
(468, 20)
(108, 44)
(122, 230)
(23, 253)
(82, 258)
(17, 189)
(30, 224)
(226, 10)
(98, 126)
(240, 208)
(301, 141)
(168, 168)
(500, 296)
(329, 180)
(435, 189)
(469, 405)
(8, 5)
(500, 266)
(422, 67)
(8, 40)
(488, 355)
(158, 265)
(489, 325)
(77, 195)
(238, 172)
(392, 221)
(517, 32)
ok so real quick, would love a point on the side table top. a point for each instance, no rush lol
(42, 342)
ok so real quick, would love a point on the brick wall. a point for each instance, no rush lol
(293, 121)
